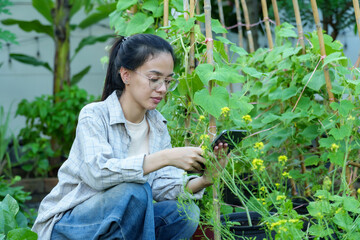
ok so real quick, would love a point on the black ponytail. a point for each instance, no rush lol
(131, 53)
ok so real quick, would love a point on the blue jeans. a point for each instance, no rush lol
(127, 212)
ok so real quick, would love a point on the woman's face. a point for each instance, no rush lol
(138, 87)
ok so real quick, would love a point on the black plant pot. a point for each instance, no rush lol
(244, 231)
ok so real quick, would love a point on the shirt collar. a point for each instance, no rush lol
(117, 115)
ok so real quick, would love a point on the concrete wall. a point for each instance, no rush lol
(19, 81)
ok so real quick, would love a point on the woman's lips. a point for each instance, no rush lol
(157, 99)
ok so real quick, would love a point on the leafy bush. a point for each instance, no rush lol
(13, 223)
(50, 128)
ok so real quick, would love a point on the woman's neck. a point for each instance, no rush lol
(133, 113)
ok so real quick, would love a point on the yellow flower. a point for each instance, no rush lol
(258, 164)
(263, 189)
(201, 117)
(286, 174)
(294, 220)
(203, 147)
(351, 118)
(225, 111)
(338, 210)
(277, 185)
(334, 147)
(282, 159)
(280, 197)
(358, 191)
(282, 229)
(247, 118)
(259, 145)
(204, 137)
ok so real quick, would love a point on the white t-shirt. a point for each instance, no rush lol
(139, 133)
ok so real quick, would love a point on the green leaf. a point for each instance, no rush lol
(76, 5)
(310, 132)
(139, 23)
(213, 103)
(29, 60)
(239, 50)
(222, 73)
(44, 7)
(102, 13)
(317, 80)
(154, 6)
(217, 27)
(312, 161)
(351, 204)
(320, 231)
(29, 26)
(77, 77)
(183, 24)
(345, 107)
(125, 4)
(341, 133)
(252, 72)
(336, 56)
(270, 118)
(283, 94)
(22, 234)
(343, 220)
(337, 158)
(326, 142)
(118, 22)
(91, 40)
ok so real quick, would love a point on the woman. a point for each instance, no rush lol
(121, 159)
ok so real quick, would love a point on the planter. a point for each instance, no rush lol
(203, 232)
(244, 231)
(38, 187)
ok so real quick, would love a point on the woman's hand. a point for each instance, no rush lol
(218, 164)
(189, 159)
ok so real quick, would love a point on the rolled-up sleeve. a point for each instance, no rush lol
(170, 182)
(98, 166)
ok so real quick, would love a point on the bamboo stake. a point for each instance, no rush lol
(322, 49)
(222, 21)
(186, 9)
(299, 25)
(267, 24)
(238, 19)
(226, 47)
(212, 120)
(357, 16)
(191, 61)
(276, 12)
(248, 29)
(198, 12)
(166, 13)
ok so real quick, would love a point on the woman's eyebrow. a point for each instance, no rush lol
(160, 73)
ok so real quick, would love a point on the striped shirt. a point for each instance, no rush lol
(99, 160)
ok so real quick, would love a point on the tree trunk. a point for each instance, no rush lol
(61, 16)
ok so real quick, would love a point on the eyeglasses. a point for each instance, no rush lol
(156, 82)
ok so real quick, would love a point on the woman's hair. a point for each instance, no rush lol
(131, 53)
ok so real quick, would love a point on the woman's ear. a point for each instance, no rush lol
(125, 75)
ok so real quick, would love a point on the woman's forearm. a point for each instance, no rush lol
(197, 184)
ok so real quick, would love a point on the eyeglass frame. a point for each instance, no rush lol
(162, 82)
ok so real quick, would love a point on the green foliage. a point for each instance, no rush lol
(47, 120)
(13, 223)
(45, 7)
(5, 35)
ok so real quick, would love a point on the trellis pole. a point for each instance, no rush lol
(248, 27)
(299, 25)
(166, 13)
(267, 24)
(322, 49)
(357, 16)
(222, 21)
(191, 61)
(276, 12)
(212, 120)
(238, 19)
